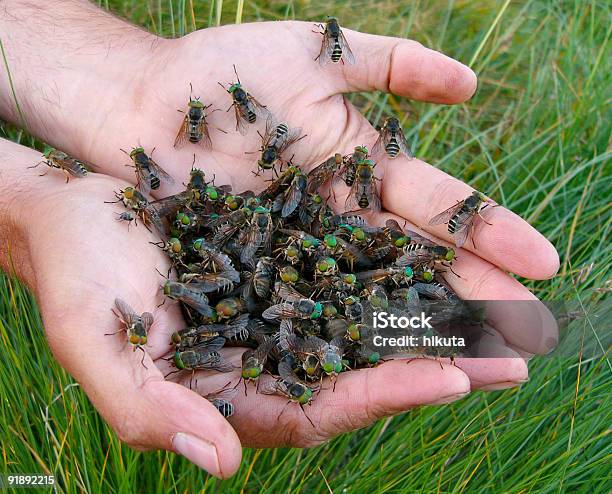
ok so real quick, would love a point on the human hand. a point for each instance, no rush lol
(299, 91)
(78, 258)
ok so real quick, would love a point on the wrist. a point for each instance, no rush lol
(65, 89)
(17, 191)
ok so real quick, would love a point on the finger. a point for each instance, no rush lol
(522, 320)
(145, 411)
(403, 67)
(417, 191)
(360, 398)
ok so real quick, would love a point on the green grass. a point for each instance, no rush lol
(536, 137)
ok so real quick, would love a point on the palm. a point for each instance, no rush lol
(300, 96)
(106, 261)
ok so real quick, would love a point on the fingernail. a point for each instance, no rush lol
(503, 385)
(198, 451)
(450, 398)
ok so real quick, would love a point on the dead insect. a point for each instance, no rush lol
(334, 46)
(233, 330)
(148, 173)
(391, 140)
(203, 357)
(350, 162)
(364, 193)
(289, 201)
(460, 217)
(289, 386)
(127, 216)
(134, 200)
(190, 294)
(136, 326)
(247, 108)
(323, 173)
(304, 308)
(258, 235)
(253, 362)
(194, 127)
(71, 167)
(275, 141)
(221, 401)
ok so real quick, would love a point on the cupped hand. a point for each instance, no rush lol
(275, 62)
(83, 258)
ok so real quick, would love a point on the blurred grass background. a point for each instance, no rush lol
(536, 137)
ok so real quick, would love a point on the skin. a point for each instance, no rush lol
(121, 88)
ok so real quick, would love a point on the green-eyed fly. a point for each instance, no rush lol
(136, 326)
(71, 167)
(460, 217)
(148, 173)
(247, 108)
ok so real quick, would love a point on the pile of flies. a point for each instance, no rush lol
(286, 281)
(278, 273)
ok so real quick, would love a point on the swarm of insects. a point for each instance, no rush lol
(281, 275)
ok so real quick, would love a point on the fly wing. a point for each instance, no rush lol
(128, 315)
(160, 171)
(327, 48)
(212, 345)
(147, 320)
(403, 144)
(379, 146)
(446, 215)
(347, 54)
(292, 136)
(252, 242)
(205, 142)
(419, 239)
(168, 206)
(260, 110)
(241, 119)
(181, 136)
(237, 329)
(417, 256)
(292, 199)
(287, 292)
(283, 310)
(143, 183)
(322, 173)
(461, 234)
(223, 394)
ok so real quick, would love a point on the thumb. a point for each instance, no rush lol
(403, 67)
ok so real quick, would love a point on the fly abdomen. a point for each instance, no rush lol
(363, 201)
(155, 183)
(392, 147)
(337, 51)
(281, 131)
(224, 407)
(194, 134)
(452, 224)
(251, 116)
